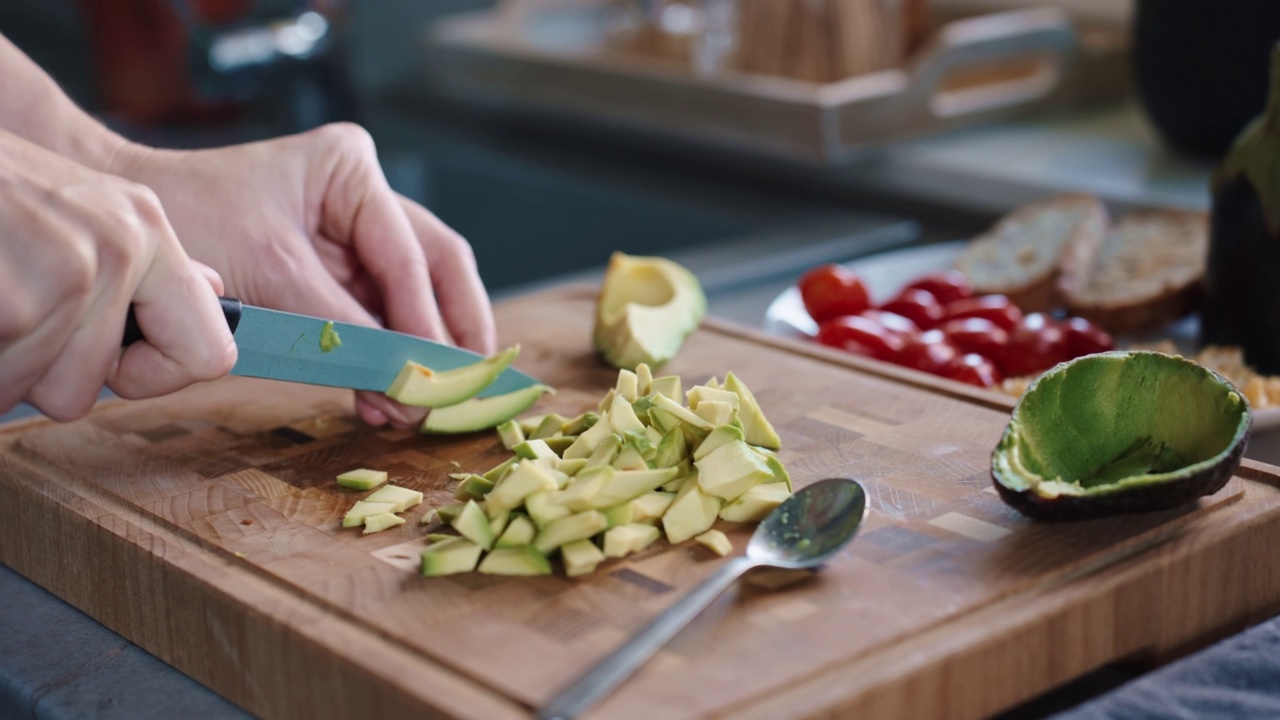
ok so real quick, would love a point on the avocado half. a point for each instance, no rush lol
(1120, 432)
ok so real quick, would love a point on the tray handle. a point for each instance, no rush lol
(1042, 41)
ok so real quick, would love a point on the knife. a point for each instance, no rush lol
(285, 346)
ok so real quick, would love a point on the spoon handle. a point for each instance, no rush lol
(583, 693)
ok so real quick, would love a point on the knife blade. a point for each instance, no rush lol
(286, 346)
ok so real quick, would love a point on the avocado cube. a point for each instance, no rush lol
(628, 386)
(668, 385)
(381, 521)
(649, 507)
(362, 479)
(716, 412)
(519, 531)
(755, 503)
(622, 416)
(730, 470)
(473, 487)
(571, 467)
(448, 557)
(629, 458)
(755, 427)
(519, 561)
(510, 433)
(626, 539)
(567, 529)
(715, 541)
(544, 507)
(691, 513)
(586, 444)
(448, 513)
(700, 393)
(559, 444)
(581, 492)
(363, 509)
(626, 485)
(549, 427)
(403, 498)
(580, 557)
(524, 479)
(580, 424)
(619, 514)
(500, 470)
(472, 524)
(721, 435)
(644, 379)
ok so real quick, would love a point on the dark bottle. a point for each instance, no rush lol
(1241, 303)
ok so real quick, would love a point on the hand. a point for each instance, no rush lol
(307, 223)
(76, 247)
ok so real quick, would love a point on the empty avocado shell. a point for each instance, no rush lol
(1120, 432)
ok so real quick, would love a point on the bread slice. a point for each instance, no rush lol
(1023, 254)
(1144, 274)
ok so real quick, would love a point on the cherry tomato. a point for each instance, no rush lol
(996, 308)
(977, 335)
(893, 321)
(973, 369)
(946, 286)
(861, 336)
(918, 306)
(1038, 343)
(1085, 338)
(930, 352)
(830, 291)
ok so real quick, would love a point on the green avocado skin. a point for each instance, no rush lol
(1110, 380)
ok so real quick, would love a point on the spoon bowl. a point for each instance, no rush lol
(802, 533)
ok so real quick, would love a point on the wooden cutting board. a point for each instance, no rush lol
(205, 527)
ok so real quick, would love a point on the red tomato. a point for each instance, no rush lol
(918, 306)
(861, 336)
(973, 369)
(996, 308)
(977, 335)
(1085, 338)
(930, 352)
(830, 291)
(946, 286)
(893, 321)
(1038, 343)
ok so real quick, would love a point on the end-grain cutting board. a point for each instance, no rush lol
(206, 527)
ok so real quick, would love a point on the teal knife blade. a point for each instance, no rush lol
(286, 346)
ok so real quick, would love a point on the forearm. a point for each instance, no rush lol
(35, 108)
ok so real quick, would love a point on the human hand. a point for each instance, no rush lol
(307, 223)
(76, 248)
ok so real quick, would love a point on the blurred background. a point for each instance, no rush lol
(753, 138)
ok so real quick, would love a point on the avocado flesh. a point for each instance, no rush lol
(1124, 431)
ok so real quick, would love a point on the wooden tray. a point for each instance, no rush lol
(205, 527)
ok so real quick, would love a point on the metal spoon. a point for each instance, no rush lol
(800, 534)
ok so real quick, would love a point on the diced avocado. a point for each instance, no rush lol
(581, 493)
(544, 508)
(482, 413)
(580, 424)
(381, 521)
(401, 497)
(619, 514)
(473, 487)
(605, 452)
(525, 479)
(731, 470)
(567, 529)
(674, 485)
(713, 382)
(500, 470)
(587, 442)
(534, 449)
(421, 386)
(572, 466)
(755, 426)
(668, 385)
(559, 443)
(626, 539)
(649, 507)
(520, 531)
(693, 435)
(623, 417)
(654, 436)
(779, 470)
(683, 414)
(629, 459)
(510, 433)
(691, 513)
(644, 379)
(472, 524)
(363, 509)
(549, 426)
(662, 420)
(716, 438)
(606, 402)
(520, 561)
(362, 479)
(529, 423)
(449, 557)
(716, 412)
(437, 537)
(498, 521)
(755, 503)
(715, 541)
(329, 339)
(628, 385)
(626, 485)
(450, 512)
(700, 393)
(641, 441)
(580, 557)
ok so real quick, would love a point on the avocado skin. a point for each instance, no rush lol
(1149, 498)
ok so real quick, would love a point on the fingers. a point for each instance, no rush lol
(462, 296)
(211, 276)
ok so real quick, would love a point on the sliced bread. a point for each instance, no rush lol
(1023, 254)
(1144, 274)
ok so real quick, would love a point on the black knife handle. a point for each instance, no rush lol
(230, 310)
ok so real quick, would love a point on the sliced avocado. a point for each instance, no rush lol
(520, 531)
(476, 414)
(580, 424)
(605, 452)
(646, 309)
(567, 529)
(534, 449)
(1119, 432)
(500, 470)
(671, 450)
(550, 426)
(544, 508)
(716, 438)
(571, 467)
(510, 433)
(716, 412)
(756, 428)
(624, 485)
(715, 541)
(401, 497)
(628, 386)
(606, 402)
(449, 557)
(629, 459)
(473, 487)
(623, 416)
(619, 514)
(668, 385)
(437, 537)
(642, 442)
(448, 513)
(473, 525)
(519, 561)
(700, 393)
(559, 444)
(691, 513)
(421, 386)
(644, 379)
(664, 421)
(523, 480)
(649, 507)
(498, 522)
(732, 469)
(588, 441)
(626, 539)
(681, 413)
(581, 493)
(381, 521)
(362, 479)
(580, 557)
(756, 503)
(363, 509)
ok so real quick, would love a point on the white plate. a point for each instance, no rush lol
(885, 274)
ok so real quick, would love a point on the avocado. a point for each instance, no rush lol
(420, 386)
(544, 508)
(476, 413)
(721, 435)
(715, 541)
(626, 539)
(619, 514)
(581, 494)
(669, 386)
(446, 514)
(549, 427)
(644, 379)
(362, 479)
(756, 503)
(717, 412)
(691, 513)
(534, 449)
(646, 308)
(628, 386)
(580, 557)
(624, 485)
(629, 458)
(649, 507)
(381, 521)
(472, 487)
(329, 339)
(570, 528)
(448, 557)
(510, 433)
(524, 479)
(473, 525)
(520, 531)
(732, 469)
(523, 560)
(363, 509)
(671, 449)
(1119, 432)
(579, 424)
(402, 498)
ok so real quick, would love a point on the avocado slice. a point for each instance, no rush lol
(381, 521)
(363, 509)
(691, 513)
(401, 497)
(732, 469)
(579, 424)
(580, 557)
(1119, 432)
(534, 449)
(545, 508)
(721, 435)
(449, 557)
(362, 479)
(420, 386)
(473, 525)
(549, 427)
(623, 540)
(522, 561)
(475, 413)
(524, 479)
(649, 507)
(758, 430)
(715, 541)
(668, 385)
(570, 528)
(510, 433)
(520, 531)
(756, 503)
(646, 308)
(472, 487)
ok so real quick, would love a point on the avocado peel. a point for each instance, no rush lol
(1120, 432)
